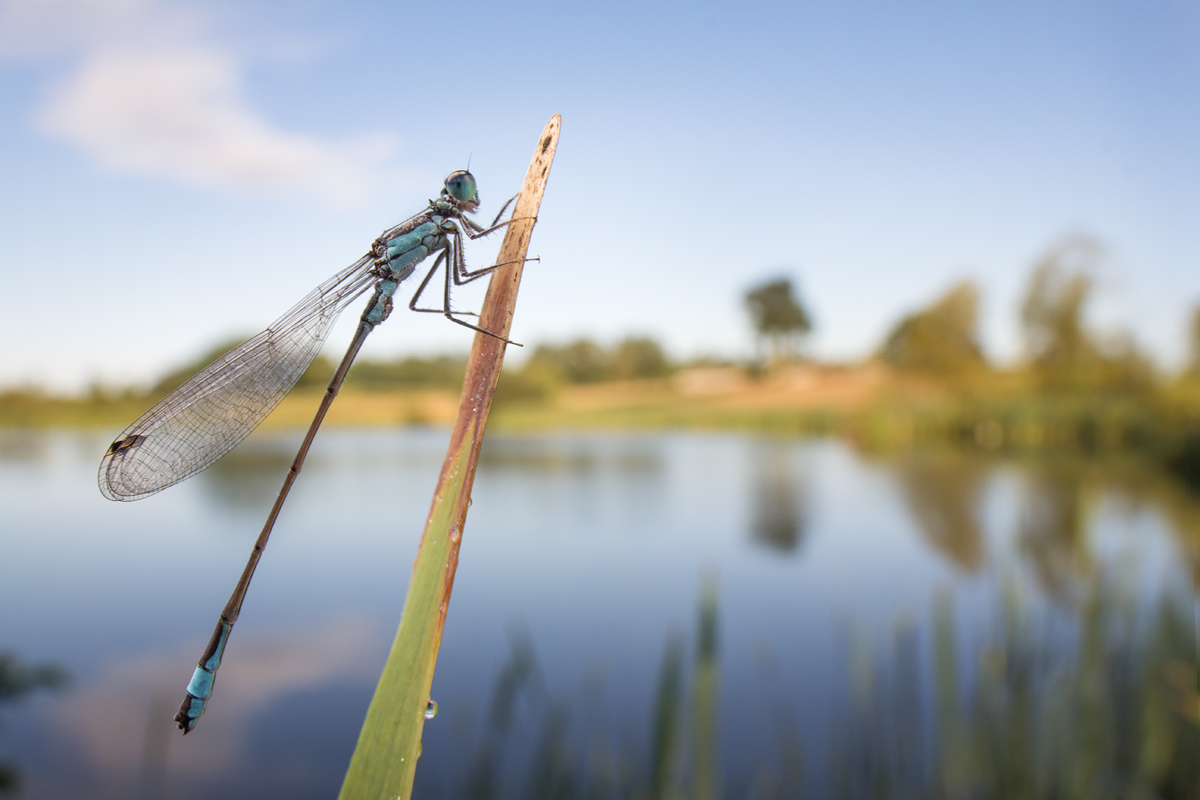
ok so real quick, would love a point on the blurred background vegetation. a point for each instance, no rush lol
(929, 382)
(18, 679)
(1027, 717)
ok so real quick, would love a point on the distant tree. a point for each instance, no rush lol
(414, 372)
(581, 361)
(941, 339)
(179, 376)
(1194, 343)
(779, 318)
(1062, 351)
(584, 361)
(639, 357)
(316, 375)
(1052, 312)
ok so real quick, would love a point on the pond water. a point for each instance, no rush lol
(706, 614)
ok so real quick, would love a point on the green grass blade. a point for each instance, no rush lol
(668, 722)
(384, 762)
(706, 781)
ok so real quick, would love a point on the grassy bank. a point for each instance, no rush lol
(876, 407)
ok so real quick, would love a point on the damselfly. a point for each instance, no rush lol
(209, 415)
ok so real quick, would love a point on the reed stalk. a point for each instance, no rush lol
(384, 762)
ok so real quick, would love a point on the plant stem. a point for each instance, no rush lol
(384, 762)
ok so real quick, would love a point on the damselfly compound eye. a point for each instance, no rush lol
(461, 186)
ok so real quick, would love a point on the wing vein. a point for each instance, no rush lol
(219, 406)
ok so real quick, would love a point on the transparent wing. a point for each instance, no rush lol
(206, 417)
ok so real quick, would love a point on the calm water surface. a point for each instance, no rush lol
(873, 616)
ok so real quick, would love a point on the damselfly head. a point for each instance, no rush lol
(461, 188)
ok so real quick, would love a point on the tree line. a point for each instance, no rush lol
(941, 341)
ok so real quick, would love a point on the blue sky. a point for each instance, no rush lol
(179, 173)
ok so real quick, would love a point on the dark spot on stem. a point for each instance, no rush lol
(546, 143)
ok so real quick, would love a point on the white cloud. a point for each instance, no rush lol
(180, 115)
(147, 94)
(31, 28)
(134, 698)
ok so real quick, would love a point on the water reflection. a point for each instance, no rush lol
(1146, 492)
(589, 479)
(580, 456)
(1052, 533)
(953, 683)
(943, 493)
(249, 477)
(574, 751)
(152, 773)
(779, 502)
(16, 681)
(23, 446)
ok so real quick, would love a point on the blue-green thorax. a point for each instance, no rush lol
(398, 252)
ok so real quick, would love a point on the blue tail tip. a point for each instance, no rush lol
(189, 713)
